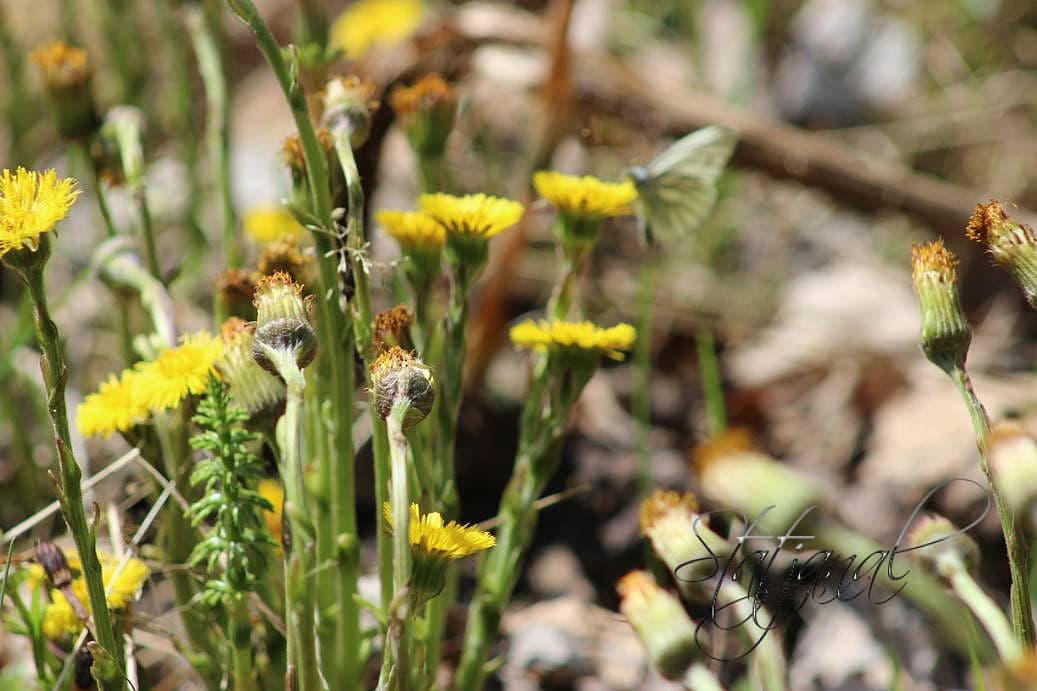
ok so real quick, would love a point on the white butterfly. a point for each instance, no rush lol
(677, 189)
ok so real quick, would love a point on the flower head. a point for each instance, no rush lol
(31, 204)
(367, 23)
(680, 536)
(284, 255)
(348, 104)
(271, 223)
(116, 406)
(61, 65)
(60, 619)
(1012, 244)
(660, 621)
(414, 230)
(66, 76)
(946, 333)
(282, 323)
(397, 377)
(574, 336)
(251, 387)
(179, 372)
(473, 215)
(427, 111)
(585, 197)
(939, 545)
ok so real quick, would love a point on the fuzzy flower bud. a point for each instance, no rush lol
(251, 387)
(946, 334)
(1013, 462)
(397, 374)
(66, 76)
(348, 104)
(945, 547)
(680, 536)
(282, 322)
(665, 629)
(735, 476)
(1012, 244)
(427, 111)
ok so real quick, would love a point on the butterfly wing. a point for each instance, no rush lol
(677, 189)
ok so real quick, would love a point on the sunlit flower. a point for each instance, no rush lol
(367, 23)
(414, 230)
(31, 204)
(179, 372)
(585, 197)
(61, 621)
(473, 215)
(270, 223)
(116, 406)
(273, 492)
(429, 534)
(585, 336)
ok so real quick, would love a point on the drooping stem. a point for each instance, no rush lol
(985, 609)
(1015, 541)
(55, 375)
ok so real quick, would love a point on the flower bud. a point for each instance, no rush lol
(941, 546)
(397, 374)
(348, 104)
(680, 536)
(251, 387)
(659, 619)
(735, 476)
(284, 255)
(236, 290)
(1013, 245)
(282, 322)
(66, 76)
(1013, 462)
(426, 111)
(946, 334)
(390, 326)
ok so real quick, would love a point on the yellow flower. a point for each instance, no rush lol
(179, 372)
(272, 491)
(31, 204)
(429, 535)
(585, 197)
(414, 230)
(473, 215)
(251, 387)
(271, 223)
(369, 22)
(61, 621)
(543, 335)
(116, 406)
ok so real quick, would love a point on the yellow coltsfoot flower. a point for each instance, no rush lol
(367, 23)
(473, 215)
(434, 544)
(414, 230)
(60, 619)
(31, 204)
(426, 111)
(179, 372)
(271, 223)
(117, 406)
(585, 197)
(573, 337)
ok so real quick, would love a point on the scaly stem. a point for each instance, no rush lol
(335, 338)
(398, 628)
(55, 376)
(985, 609)
(1015, 541)
(450, 389)
(205, 39)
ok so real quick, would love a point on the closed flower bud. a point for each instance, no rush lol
(680, 536)
(1013, 245)
(282, 322)
(941, 546)
(659, 619)
(66, 76)
(735, 476)
(946, 334)
(396, 375)
(426, 111)
(348, 104)
(1013, 462)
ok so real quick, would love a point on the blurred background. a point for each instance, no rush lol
(865, 126)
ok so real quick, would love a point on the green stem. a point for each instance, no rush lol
(398, 629)
(148, 230)
(205, 40)
(561, 301)
(240, 634)
(985, 609)
(767, 664)
(55, 376)
(432, 174)
(1015, 540)
(712, 382)
(700, 678)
